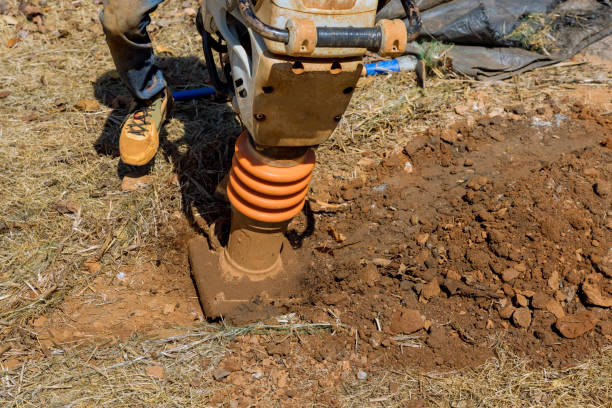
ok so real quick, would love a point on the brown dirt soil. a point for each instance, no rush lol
(473, 234)
(154, 295)
(98, 307)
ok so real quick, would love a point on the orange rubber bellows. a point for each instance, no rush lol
(266, 192)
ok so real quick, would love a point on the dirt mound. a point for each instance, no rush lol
(499, 227)
(495, 231)
(475, 235)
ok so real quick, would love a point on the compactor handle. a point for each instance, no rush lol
(387, 38)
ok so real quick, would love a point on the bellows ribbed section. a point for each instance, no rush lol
(265, 192)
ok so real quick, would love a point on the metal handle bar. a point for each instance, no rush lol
(333, 37)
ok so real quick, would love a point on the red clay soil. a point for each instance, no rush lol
(502, 227)
(495, 231)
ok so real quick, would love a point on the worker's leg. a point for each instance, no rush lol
(125, 25)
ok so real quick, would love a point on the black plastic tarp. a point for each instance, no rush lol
(482, 32)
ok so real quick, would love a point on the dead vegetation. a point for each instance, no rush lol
(65, 221)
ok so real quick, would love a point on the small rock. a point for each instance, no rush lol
(92, 265)
(156, 371)
(168, 308)
(220, 373)
(520, 267)
(238, 379)
(39, 322)
(602, 188)
(452, 274)
(554, 307)
(463, 110)
(87, 105)
(362, 375)
(334, 298)
(132, 183)
(477, 183)
(382, 262)
(575, 325)
(591, 172)
(553, 281)
(366, 162)
(496, 135)
(521, 300)
(414, 219)
(415, 403)
(448, 136)
(484, 216)
(510, 274)
(337, 235)
(605, 328)
(369, 274)
(539, 300)
(522, 317)
(279, 377)
(279, 349)
(592, 293)
(603, 263)
(175, 179)
(67, 207)
(518, 110)
(406, 321)
(431, 289)
(496, 111)
(421, 238)
(468, 163)
(12, 364)
(231, 364)
(526, 292)
(408, 168)
(506, 312)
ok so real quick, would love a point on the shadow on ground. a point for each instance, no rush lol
(200, 152)
(201, 156)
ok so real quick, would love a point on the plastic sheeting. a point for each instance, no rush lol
(481, 31)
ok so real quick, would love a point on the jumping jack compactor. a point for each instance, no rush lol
(290, 67)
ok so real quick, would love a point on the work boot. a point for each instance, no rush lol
(139, 137)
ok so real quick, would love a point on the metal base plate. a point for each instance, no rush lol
(225, 293)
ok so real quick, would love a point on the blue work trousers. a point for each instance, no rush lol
(125, 25)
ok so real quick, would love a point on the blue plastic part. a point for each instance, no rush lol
(382, 67)
(376, 68)
(189, 94)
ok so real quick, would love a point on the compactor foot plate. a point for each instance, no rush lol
(225, 293)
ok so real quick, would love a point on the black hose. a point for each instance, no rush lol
(221, 87)
(261, 28)
(333, 37)
(349, 37)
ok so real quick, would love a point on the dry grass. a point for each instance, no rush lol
(535, 32)
(50, 152)
(116, 376)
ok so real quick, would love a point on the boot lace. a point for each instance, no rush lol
(141, 120)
